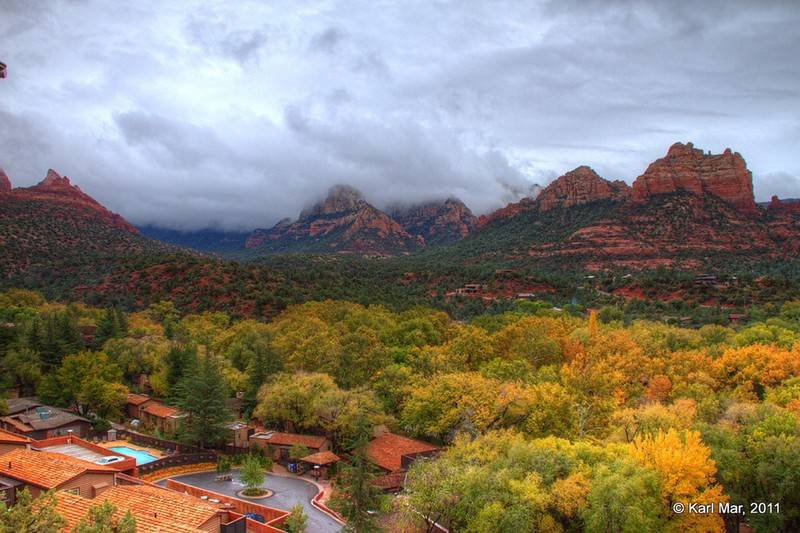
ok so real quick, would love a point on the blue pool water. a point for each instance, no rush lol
(142, 458)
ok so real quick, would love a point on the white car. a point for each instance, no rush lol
(110, 459)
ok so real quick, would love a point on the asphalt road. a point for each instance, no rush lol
(288, 492)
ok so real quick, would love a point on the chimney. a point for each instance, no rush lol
(69, 436)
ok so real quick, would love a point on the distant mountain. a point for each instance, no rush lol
(53, 232)
(344, 222)
(687, 210)
(206, 240)
(436, 222)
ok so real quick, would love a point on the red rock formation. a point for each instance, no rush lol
(343, 222)
(436, 222)
(778, 205)
(687, 168)
(5, 183)
(55, 188)
(509, 211)
(578, 187)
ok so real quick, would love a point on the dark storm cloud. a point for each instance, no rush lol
(237, 114)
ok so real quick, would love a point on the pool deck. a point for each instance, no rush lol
(158, 454)
(288, 492)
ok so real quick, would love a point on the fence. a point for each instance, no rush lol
(180, 459)
(147, 440)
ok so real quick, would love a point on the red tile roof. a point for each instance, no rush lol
(387, 450)
(45, 469)
(138, 399)
(160, 410)
(6, 437)
(155, 509)
(321, 458)
(290, 439)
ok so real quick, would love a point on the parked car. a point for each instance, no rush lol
(110, 459)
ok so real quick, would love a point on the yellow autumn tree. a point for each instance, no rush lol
(687, 475)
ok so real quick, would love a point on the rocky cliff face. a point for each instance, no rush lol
(57, 189)
(5, 183)
(436, 222)
(342, 222)
(579, 187)
(689, 169)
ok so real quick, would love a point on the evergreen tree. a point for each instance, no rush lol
(100, 519)
(202, 394)
(264, 363)
(356, 498)
(31, 516)
(68, 333)
(180, 360)
(107, 328)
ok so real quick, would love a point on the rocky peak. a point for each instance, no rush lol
(436, 221)
(690, 169)
(578, 187)
(5, 183)
(340, 199)
(54, 179)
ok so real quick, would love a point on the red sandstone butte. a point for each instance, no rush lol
(687, 168)
(578, 187)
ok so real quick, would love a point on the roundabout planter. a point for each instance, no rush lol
(266, 493)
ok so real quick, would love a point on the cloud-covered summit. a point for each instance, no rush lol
(237, 114)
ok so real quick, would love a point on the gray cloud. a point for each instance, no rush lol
(241, 113)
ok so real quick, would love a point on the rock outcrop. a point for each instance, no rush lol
(689, 169)
(5, 183)
(343, 222)
(578, 187)
(436, 222)
(57, 189)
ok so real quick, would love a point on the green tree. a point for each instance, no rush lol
(100, 519)
(31, 516)
(179, 362)
(297, 521)
(203, 396)
(355, 497)
(252, 475)
(88, 382)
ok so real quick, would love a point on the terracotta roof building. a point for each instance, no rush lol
(9, 441)
(283, 442)
(394, 453)
(135, 403)
(162, 417)
(40, 471)
(155, 509)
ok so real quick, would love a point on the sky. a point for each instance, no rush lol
(235, 114)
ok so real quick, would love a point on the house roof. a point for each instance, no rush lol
(160, 410)
(321, 458)
(138, 399)
(6, 437)
(155, 509)
(44, 469)
(37, 417)
(18, 405)
(387, 451)
(290, 439)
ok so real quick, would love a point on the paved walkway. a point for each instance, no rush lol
(288, 492)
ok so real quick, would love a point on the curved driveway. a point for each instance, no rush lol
(288, 492)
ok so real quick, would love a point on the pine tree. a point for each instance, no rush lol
(180, 361)
(263, 364)
(202, 396)
(107, 328)
(31, 516)
(69, 336)
(356, 498)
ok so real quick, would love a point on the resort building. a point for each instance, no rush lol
(394, 454)
(35, 420)
(162, 417)
(281, 443)
(135, 403)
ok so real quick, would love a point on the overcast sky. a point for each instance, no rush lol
(186, 115)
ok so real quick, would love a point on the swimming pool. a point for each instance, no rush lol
(142, 457)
